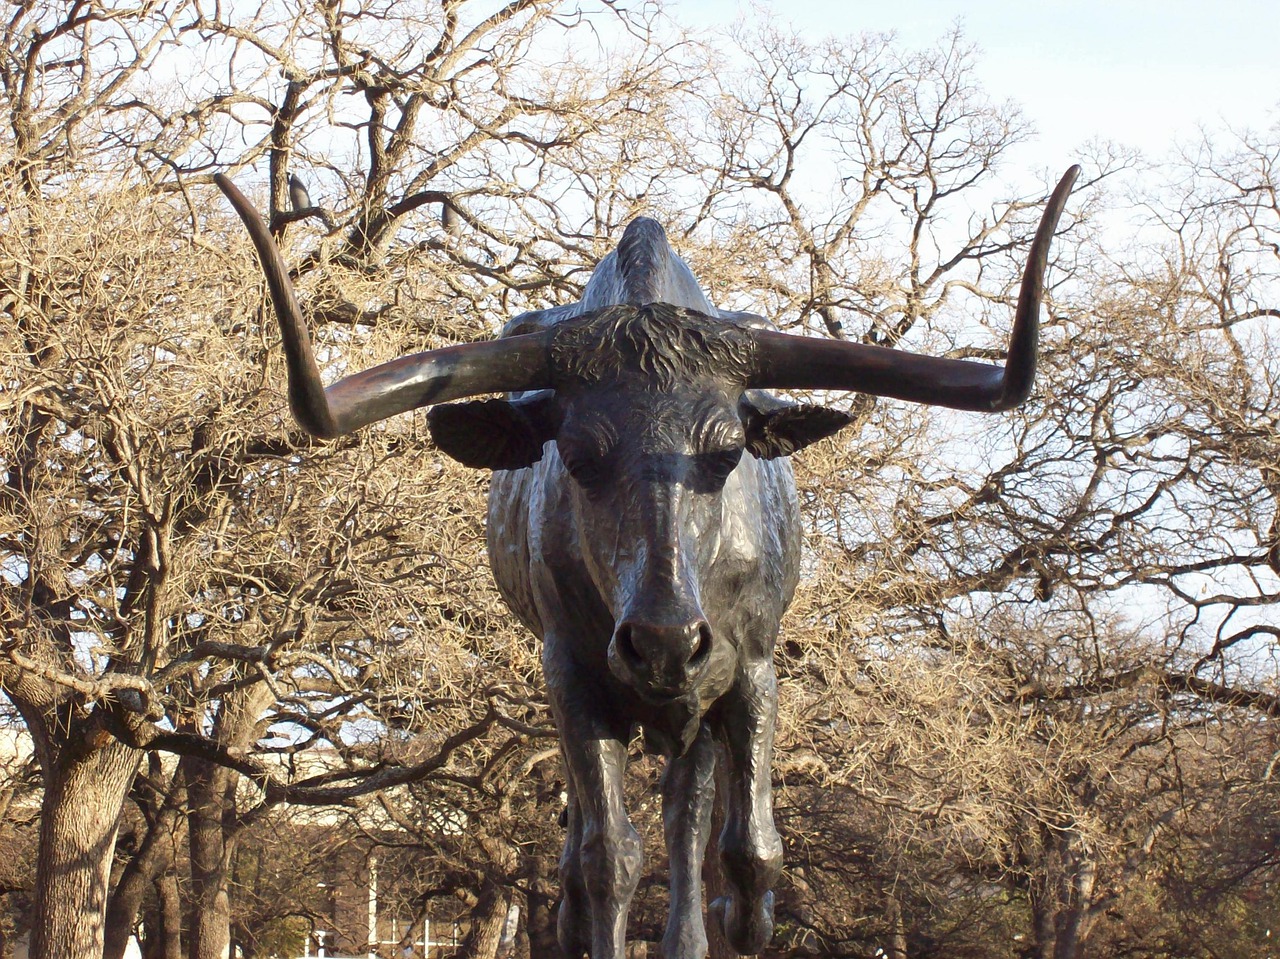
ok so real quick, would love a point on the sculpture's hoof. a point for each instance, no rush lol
(685, 943)
(747, 933)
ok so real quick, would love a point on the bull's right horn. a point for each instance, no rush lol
(436, 376)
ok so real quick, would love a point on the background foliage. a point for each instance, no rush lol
(1029, 685)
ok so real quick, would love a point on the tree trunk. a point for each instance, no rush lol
(540, 920)
(209, 928)
(211, 823)
(85, 787)
(170, 911)
(155, 857)
(1061, 907)
(163, 925)
(897, 946)
(487, 921)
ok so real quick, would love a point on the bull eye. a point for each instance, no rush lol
(590, 470)
(712, 469)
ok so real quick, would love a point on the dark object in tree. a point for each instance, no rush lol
(643, 522)
(299, 198)
(450, 221)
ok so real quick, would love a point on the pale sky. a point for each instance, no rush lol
(1139, 72)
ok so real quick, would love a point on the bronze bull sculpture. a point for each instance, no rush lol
(643, 522)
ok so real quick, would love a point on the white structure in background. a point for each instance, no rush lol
(392, 947)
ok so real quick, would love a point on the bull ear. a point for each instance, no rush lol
(775, 428)
(495, 434)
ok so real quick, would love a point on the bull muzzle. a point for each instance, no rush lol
(661, 660)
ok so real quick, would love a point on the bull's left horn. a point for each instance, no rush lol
(810, 363)
(507, 365)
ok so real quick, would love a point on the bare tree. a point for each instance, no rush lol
(1032, 664)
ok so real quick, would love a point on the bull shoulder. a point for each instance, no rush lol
(760, 526)
(507, 535)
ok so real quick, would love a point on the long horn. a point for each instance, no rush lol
(437, 376)
(810, 363)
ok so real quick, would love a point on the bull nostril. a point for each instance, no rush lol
(703, 649)
(626, 647)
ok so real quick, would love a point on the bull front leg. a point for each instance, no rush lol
(606, 862)
(750, 848)
(688, 793)
(573, 918)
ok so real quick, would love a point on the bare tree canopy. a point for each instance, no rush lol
(1029, 697)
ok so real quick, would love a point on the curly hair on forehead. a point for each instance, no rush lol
(659, 422)
(664, 344)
